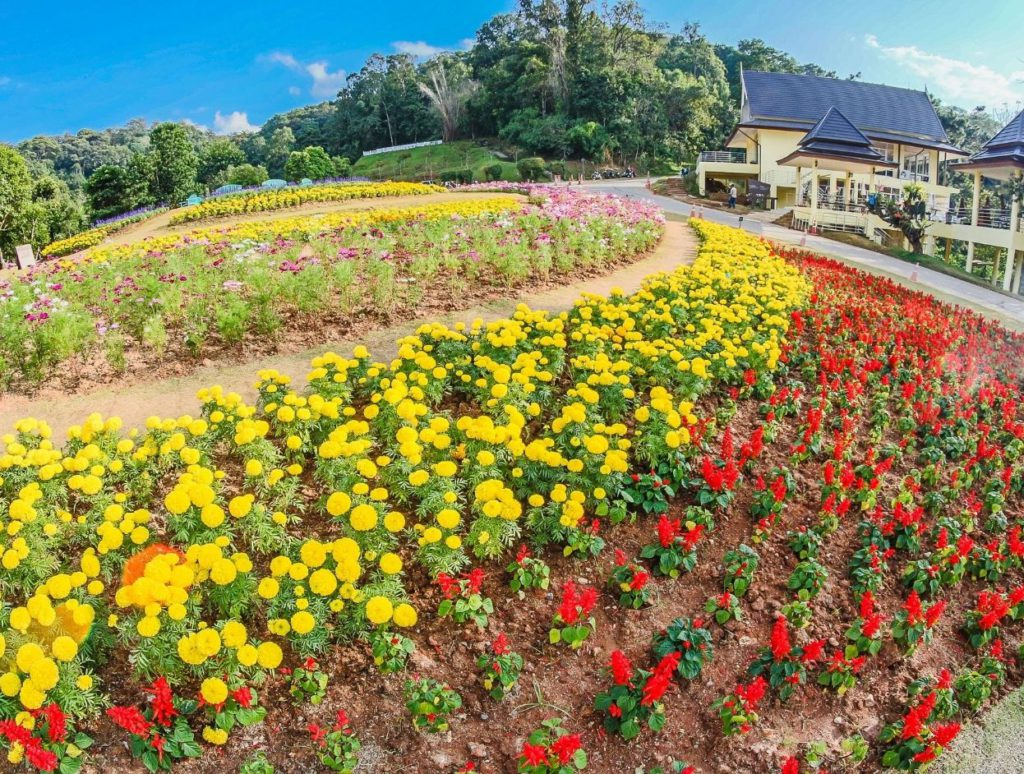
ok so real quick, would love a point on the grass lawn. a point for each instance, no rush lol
(431, 161)
(927, 261)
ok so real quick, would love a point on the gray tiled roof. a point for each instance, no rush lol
(868, 106)
(1007, 146)
(834, 127)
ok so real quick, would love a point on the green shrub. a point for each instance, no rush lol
(493, 172)
(457, 176)
(531, 169)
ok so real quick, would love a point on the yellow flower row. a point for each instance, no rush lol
(282, 198)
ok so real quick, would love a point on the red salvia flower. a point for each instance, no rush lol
(780, 639)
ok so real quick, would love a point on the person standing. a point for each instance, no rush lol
(732, 196)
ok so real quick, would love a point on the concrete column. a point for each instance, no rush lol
(848, 188)
(969, 263)
(814, 198)
(831, 189)
(1011, 253)
(701, 181)
(796, 199)
(976, 200)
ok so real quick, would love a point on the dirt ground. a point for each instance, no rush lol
(141, 394)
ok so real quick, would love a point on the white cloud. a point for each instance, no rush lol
(417, 48)
(954, 79)
(232, 123)
(294, 91)
(325, 83)
(284, 59)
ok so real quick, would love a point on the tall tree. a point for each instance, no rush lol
(174, 163)
(15, 196)
(279, 148)
(448, 96)
(216, 157)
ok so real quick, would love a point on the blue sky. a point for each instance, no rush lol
(230, 65)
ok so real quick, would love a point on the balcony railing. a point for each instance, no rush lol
(736, 156)
(988, 217)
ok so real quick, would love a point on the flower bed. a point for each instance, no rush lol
(100, 231)
(283, 198)
(212, 289)
(767, 466)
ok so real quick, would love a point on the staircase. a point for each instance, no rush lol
(675, 186)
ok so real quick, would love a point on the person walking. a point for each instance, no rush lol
(732, 196)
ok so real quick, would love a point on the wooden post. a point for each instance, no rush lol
(949, 249)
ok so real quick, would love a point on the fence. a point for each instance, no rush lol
(407, 146)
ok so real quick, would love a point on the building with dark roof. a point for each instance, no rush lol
(777, 112)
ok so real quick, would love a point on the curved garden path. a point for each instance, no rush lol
(175, 396)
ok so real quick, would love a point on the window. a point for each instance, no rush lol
(888, 151)
(915, 165)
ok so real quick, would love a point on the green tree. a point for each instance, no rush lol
(247, 175)
(15, 196)
(279, 149)
(910, 215)
(53, 213)
(107, 192)
(174, 163)
(216, 157)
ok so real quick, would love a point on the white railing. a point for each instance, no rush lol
(725, 156)
(407, 146)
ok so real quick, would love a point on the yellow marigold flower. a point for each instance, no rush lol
(390, 563)
(394, 522)
(268, 588)
(363, 518)
(10, 684)
(215, 736)
(269, 655)
(449, 518)
(322, 583)
(223, 572)
(303, 622)
(240, 506)
(177, 501)
(84, 682)
(247, 655)
(212, 515)
(234, 635)
(214, 691)
(404, 615)
(28, 654)
(379, 610)
(64, 648)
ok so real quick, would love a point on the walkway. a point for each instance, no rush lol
(1008, 310)
(133, 403)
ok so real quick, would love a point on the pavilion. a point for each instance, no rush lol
(834, 144)
(1001, 158)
